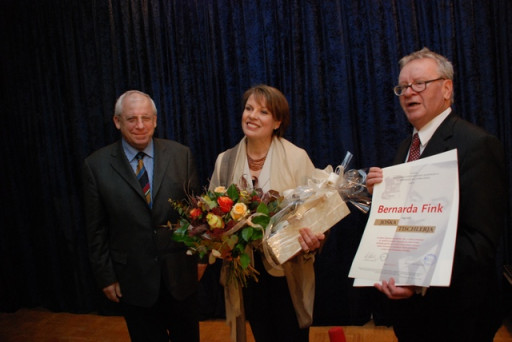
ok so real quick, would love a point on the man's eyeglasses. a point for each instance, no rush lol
(133, 120)
(417, 86)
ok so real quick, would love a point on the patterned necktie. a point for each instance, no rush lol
(142, 176)
(414, 152)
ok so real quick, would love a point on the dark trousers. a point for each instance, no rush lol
(168, 320)
(270, 311)
(435, 317)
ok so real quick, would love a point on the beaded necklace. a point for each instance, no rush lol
(256, 164)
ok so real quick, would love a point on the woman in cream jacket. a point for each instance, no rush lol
(279, 306)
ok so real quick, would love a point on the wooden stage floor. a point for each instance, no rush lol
(45, 326)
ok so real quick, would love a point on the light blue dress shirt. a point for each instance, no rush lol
(148, 160)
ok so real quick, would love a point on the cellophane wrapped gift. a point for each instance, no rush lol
(318, 206)
(319, 212)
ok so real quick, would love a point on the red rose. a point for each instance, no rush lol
(195, 213)
(225, 203)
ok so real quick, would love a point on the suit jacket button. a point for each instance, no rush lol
(156, 259)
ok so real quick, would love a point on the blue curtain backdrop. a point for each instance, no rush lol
(64, 63)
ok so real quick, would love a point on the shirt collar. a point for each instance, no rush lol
(131, 151)
(430, 128)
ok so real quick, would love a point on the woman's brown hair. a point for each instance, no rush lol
(275, 102)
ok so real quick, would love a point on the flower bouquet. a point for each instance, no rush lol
(227, 224)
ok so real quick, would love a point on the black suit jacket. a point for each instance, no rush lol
(125, 241)
(473, 289)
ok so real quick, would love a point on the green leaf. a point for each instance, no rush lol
(240, 247)
(181, 234)
(233, 193)
(244, 260)
(247, 233)
(211, 194)
(262, 220)
(211, 203)
(257, 235)
(202, 250)
(231, 242)
(273, 206)
(262, 208)
(189, 242)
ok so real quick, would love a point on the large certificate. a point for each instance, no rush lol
(412, 226)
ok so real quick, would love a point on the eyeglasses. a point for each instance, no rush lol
(133, 120)
(417, 86)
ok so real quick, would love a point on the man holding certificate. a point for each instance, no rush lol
(467, 309)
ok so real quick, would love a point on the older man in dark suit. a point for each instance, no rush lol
(467, 310)
(136, 263)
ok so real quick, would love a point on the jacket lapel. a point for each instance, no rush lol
(403, 148)
(440, 140)
(162, 159)
(122, 166)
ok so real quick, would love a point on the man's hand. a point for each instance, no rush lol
(395, 292)
(373, 177)
(309, 241)
(113, 292)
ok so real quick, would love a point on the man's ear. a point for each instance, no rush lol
(447, 89)
(117, 121)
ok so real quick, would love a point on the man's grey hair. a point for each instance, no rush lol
(119, 103)
(444, 66)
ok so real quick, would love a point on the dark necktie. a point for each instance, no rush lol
(142, 176)
(414, 152)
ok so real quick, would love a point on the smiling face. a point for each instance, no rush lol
(137, 122)
(258, 122)
(420, 108)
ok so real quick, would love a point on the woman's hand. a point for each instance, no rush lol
(373, 177)
(309, 241)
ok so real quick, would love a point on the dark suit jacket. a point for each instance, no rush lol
(125, 241)
(473, 289)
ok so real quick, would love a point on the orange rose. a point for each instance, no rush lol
(225, 203)
(238, 211)
(195, 213)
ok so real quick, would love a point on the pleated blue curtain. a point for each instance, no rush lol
(65, 63)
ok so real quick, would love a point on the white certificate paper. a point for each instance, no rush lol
(412, 226)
